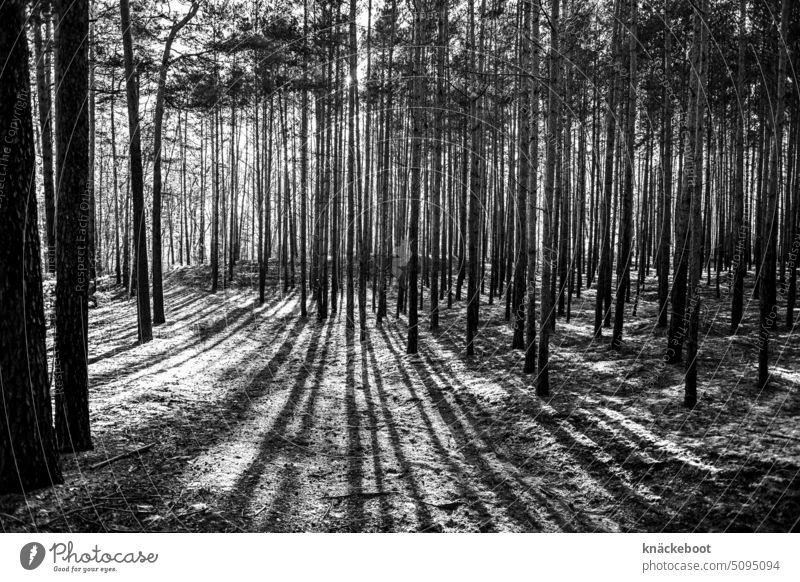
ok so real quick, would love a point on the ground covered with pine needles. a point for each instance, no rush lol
(245, 417)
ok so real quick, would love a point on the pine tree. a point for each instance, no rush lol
(136, 179)
(28, 457)
(72, 228)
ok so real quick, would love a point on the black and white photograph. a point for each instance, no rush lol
(399, 266)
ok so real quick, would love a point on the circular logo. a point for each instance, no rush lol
(31, 555)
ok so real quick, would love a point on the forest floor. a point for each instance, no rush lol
(263, 421)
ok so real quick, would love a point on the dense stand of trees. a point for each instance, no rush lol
(530, 149)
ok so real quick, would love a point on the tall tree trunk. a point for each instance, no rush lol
(28, 457)
(365, 189)
(43, 54)
(90, 181)
(666, 182)
(437, 202)
(533, 153)
(385, 172)
(201, 235)
(126, 238)
(233, 244)
(476, 183)
(214, 127)
(462, 209)
(72, 226)
(553, 113)
(768, 297)
(417, 99)
(145, 325)
(694, 173)
(352, 95)
(739, 261)
(158, 119)
(303, 179)
(794, 242)
(112, 106)
(524, 149)
(335, 199)
(604, 270)
(626, 219)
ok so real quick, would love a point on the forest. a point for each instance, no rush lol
(399, 266)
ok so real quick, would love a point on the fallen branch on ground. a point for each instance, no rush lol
(122, 456)
(18, 520)
(65, 514)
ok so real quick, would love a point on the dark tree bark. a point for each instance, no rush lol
(462, 210)
(352, 95)
(693, 185)
(548, 255)
(603, 285)
(215, 196)
(476, 183)
(385, 173)
(201, 234)
(524, 149)
(438, 200)
(303, 182)
(626, 218)
(417, 94)
(158, 120)
(533, 153)
(794, 242)
(72, 227)
(768, 296)
(90, 180)
(739, 262)
(136, 178)
(666, 182)
(117, 271)
(28, 457)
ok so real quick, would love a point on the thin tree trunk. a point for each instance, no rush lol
(158, 119)
(352, 94)
(524, 149)
(416, 94)
(533, 156)
(604, 273)
(553, 113)
(438, 158)
(626, 219)
(666, 182)
(43, 56)
(385, 172)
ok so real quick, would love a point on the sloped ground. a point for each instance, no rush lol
(262, 421)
